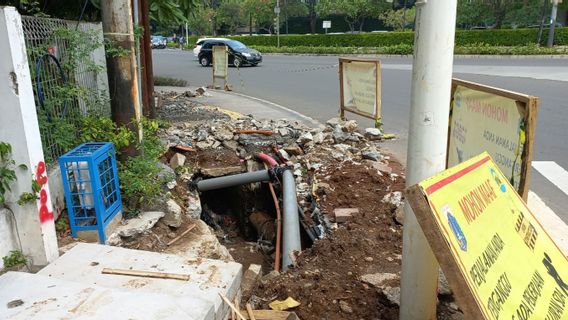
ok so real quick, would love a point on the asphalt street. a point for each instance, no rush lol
(309, 85)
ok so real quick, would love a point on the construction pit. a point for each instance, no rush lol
(349, 203)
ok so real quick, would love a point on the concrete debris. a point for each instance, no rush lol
(399, 215)
(144, 222)
(344, 306)
(371, 155)
(177, 160)
(373, 134)
(318, 138)
(201, 91)
(173, 214)
(222, 171)
(344, 214)
(350, 126)
(305, 138)
(379, 279)
(294, 150)
(443, 285)
(394, 198)
(251, 279)
(193, 205)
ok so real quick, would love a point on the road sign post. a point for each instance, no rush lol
(430, 97)
(326, 25)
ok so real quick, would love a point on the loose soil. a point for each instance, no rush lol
(330, 271)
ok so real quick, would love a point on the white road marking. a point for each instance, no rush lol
(554, 173)
(554, 226)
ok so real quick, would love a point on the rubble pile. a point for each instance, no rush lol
(349, 193)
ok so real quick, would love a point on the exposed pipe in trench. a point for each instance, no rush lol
(291, 222)
(269, 161)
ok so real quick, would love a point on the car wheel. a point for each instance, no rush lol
(237, 62)
(204, 61)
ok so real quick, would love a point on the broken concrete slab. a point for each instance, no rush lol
(251, 279)
(193, 205)
(201, 242)
(379, 279)
(177, 160)
(208, 278)
(222, 171)
(173, 214)
(144, 222)
(54, 298)
(344, 214)
(394, 198)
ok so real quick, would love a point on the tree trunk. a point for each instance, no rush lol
(313, 16)
(361, 23)
(350, 23)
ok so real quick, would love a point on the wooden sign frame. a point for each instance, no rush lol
(530, 105)
(215, 65)
(449, 264)
(343, 107)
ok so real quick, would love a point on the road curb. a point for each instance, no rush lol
(466, 56)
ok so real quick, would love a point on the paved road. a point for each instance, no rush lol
(309, 84)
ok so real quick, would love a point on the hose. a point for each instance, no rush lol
(269, 161)
(40, 95)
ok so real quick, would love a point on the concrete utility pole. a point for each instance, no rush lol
(430, 107)
(122, 77)
(553, 14)
(277, 11)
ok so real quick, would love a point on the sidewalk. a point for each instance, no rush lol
(262, 109)
(237, 102)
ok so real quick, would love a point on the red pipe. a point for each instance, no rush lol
(269, 161)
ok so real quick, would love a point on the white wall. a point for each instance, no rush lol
(7, 235)
(19, 127)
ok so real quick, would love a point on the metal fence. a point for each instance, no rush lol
(68, 83)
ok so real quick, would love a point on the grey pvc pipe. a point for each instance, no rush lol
(291, 220)
(234, 180)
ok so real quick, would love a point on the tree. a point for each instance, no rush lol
(313, 14)
(353, 11)
(230, 14)
(398, 19)
(200, 22)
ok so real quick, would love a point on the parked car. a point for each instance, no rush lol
(199, 43)
(158, 42)
(239, 54)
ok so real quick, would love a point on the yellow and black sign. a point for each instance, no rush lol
(499, 261)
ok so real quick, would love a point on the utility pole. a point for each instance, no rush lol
(122, 77)
(277, 11)
(550, 40)
(147, 64)
(429, 113)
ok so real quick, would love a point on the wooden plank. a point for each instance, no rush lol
(269, 315)
(174, 240)
(146, 274)
(250, 312)
(442, 251)
(497, 91)
(378, 95)
(341, 94)
(232, 306)
(357, 112)
(528, 149)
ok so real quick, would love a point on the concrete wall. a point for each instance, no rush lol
(19, 127)
(56, 190)
(8, 240)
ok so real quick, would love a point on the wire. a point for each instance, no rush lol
(40, 95)
(81, 15)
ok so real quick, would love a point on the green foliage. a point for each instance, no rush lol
(172, 13)
(354, 11)
(492, 37)
(96, 128)
(398, 19)
(27, 198)
(138, 175)
(230, 13)
(200, 22)
(15, 258)
(62, 224)
(7, 172)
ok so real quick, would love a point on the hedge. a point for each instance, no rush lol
(493, 37)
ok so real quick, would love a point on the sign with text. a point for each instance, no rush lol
(360, 87)
(220, 62)
(497, 121)
(499, 261)
(327, 24)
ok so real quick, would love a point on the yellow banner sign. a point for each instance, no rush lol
(483, 121)
(360, 86)
(507, 260)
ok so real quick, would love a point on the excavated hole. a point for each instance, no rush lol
(244, 219)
